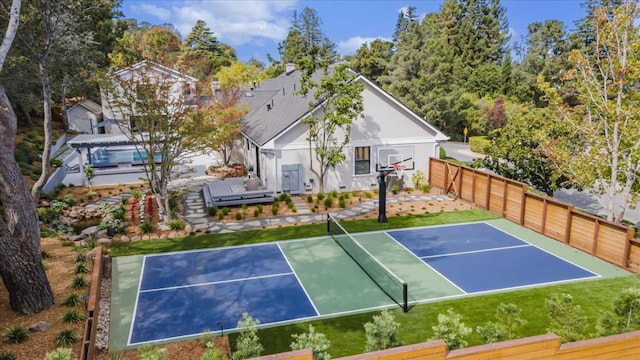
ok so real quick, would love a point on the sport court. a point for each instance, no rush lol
(159, 298)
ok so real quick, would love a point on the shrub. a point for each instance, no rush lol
(566, 321)
(309, 198)
(81, 268)
(328, 202)
(425, 188)
(226, 211)
(72, 316)
(245, 208)
(342, 203)
(70, 200)
(451, 330)
(148, 352)
(256, 212)
(8, 355)
(147, 227)
(260, 208)
(81, 258)
(479, 144)
(176, 224)
(137, 194)
(274, 208)
(212, 210)
(284, 197)
(212, 354)
(59, 354)
(320, 196)
(79, 282)
(395, 189)
(317, 342)
(418, 179)
(368, 195)
(238, 216)
(48, 214)
(382, 333)
(73, 299)
(220, 216)
(248, 343)
(16, 334)
(44, 254)
(67, 337)
(334, 193)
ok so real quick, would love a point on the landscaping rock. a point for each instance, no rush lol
(102, 233)
(91, 230)
(188, 228)
(163, 227)
(124, 238)
(135, 238)
(40, 326)
(76, 237)
(104, 241)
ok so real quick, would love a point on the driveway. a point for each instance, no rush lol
(460, 151)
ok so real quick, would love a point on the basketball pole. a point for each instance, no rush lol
(382, 196)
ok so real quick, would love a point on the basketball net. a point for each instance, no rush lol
(399, 169)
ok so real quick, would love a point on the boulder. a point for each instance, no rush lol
(91, 230)
(124, 238)
(135, 238)
(102, 233)
(40, 326)
(104, 241)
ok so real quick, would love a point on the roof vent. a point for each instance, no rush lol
(268, 107)
(289, 68)
(248, 94)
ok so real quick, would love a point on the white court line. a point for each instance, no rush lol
(549, 252)
(299, 282)
(424, 262)
(216, 282)
(209, 249)
(135, 305)
(476, 251)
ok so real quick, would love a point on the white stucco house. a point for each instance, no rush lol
(85, 116)
(182, 90)
(276, 150)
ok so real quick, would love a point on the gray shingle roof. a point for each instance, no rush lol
(285, 107)
(91, 106)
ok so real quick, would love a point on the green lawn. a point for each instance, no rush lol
(347, 333)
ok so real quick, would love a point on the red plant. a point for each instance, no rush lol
(150, 206)
(134, 206)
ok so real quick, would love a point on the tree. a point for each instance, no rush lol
(451, 330)
(202, 55)
(338, 99)
(160, 44)
(21, 267)
(382, 333)
(602, 152)
(372, 60)
(159, 121)
(317, 342)
(626, 314)
(306, 40)
(248, 344)
(239, 75)
(509, 320)
(517, 152)
(566, 321)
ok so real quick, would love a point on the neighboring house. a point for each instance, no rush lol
(275, 146)
(85, 117)
(182, 86)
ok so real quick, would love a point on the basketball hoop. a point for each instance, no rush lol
(399, 169)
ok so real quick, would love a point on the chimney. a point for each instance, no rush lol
(289, 68)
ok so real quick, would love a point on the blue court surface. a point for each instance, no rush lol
(185, 293)
(478, 257)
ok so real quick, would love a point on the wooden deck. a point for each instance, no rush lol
(233, 191)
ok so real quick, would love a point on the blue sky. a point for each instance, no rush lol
(254, 27)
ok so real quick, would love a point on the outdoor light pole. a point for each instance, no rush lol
(221, 326)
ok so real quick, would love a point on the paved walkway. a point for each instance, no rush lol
(195, 212)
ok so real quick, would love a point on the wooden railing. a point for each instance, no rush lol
(510, 199)
(87, 352)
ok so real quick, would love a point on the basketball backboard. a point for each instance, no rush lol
(395, 155)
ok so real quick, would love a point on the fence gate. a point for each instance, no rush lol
(292, 178)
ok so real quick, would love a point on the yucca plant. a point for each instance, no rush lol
(73, 299)
(79, 282)
(8, 355)
(67, 337)
(73, 316)
(16, 334)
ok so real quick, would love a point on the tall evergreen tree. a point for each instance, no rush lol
(585, 36)
(373, 60)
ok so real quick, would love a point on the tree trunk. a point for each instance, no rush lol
(46, 152)
(21, 267)
(63, 104)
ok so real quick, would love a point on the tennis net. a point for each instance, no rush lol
(387, 281)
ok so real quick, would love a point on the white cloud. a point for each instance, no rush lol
(233, 22)
(351, 45)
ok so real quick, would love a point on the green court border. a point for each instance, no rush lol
(126, 272)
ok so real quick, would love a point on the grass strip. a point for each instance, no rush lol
(291, 232)
(348, 338)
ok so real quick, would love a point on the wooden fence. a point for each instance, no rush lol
(622, 346)
(510, 199)
(87, 352)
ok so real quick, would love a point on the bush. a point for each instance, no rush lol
(479, 144)
(248, 343)
(509, 321)
(425, 188)
(48, 214)
(8, 355)
(260, 208)
(451, 330)
(79, 282)
(342, 203)
(67, 337)
(148, 352)
(418, 179)
(566, 321)
(320, 196)
(220, 216)
(147, 227)
(317, 342)
(328, 202)
(73, 316)
(73, 299)
(274, 208)
(256, 212)
(309, 198)
(70, 200)
(368, 195)
(382, 333)
(16, 334)
(284, 197)
(44, 254)
(176, 224)
(334, 193)
(226, 211)
(212, 354)
(238, 216)
(212, 210)
(395, 189)
(59, 354)
(81, 268)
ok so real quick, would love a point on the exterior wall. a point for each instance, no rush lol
(81, 120)
(384, 124)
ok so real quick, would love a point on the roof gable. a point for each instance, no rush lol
(90, 105)
(158, 68)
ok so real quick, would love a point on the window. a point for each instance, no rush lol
(362, 160)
